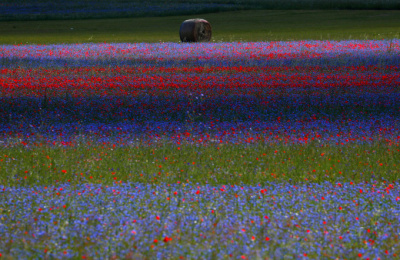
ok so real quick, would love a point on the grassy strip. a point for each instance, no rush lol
(259, 25)
(212, 164)
(100, 9)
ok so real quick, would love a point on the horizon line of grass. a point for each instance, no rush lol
(72, 10)
(258, 25)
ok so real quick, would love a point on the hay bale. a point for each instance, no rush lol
(195, 30)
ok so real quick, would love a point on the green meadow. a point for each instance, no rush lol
(214, 164)
(31, 10)
(246, 25)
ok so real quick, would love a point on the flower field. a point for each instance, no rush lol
(252, 150)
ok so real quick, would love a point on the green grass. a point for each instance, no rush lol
(214, 164)
(83, 9)
(260, 25)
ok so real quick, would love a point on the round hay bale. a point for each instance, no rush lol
(195, 30)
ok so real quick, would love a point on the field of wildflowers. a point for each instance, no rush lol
(255, 150)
